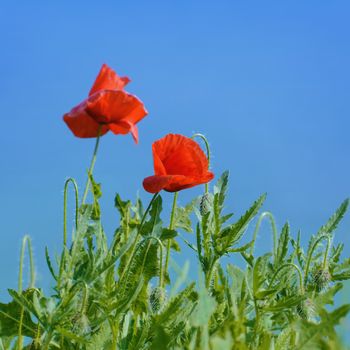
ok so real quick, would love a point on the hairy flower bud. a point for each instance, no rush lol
(321, 279)
(205, 204)
(157, 299)
(306, 309)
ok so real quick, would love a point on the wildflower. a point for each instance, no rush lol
(179, 163)
(107, 108)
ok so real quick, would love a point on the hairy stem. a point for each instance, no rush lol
(208, 153)
(65, 195)
(171, 226)
(274, 231)
(65, 199)
(91, 169)
(311, 251)
(301, 284)
(133, 248)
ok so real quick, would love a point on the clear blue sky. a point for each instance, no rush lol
(266, 81)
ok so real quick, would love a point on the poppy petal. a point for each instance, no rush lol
(124, 127)
(181, 155)
(82, 124)
(108, 79)
(112, 106)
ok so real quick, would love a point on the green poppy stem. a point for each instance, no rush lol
(206, 186)
(171, 226)
(300, 276)
(91, 169)
(311, 251)
(133, 248)
(274, 232)
(25, 242)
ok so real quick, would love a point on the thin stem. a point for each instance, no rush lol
(46, 345)
(208, 153)
(26, 242)
(301, 284)
(209, 276)
(92, 165)
(309, 257)
(65, 198)
(137, 236)
(171, 226)
(65, 195)
(325, 258)
(20, 337)
(274, 231)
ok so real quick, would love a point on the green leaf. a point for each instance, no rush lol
(153, 226)
(233, 233)
(334, 220)
(167, 234)
(10, 315)
(182, 219)
(282, 248)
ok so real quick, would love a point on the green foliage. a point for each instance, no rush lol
(110, 294)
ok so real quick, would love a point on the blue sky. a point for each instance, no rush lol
(266, 81)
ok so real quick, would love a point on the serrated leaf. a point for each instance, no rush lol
(282, 248)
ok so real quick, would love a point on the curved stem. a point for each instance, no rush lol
(325, 258)
(65, 195)
(274, 231)
(171, 226)
(85, 295)
(208, 153)
(313, 247)
(138, 234)
(91, 169)
(301, 284)
(26, 242)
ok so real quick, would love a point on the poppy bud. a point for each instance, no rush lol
(157, 299)
(321, 279)
(306, 309)
(81, 324)
(205, 204)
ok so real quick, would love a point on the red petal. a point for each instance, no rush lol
(112, 106)
(108, 79)
(82, 124)
(124, 127)
(173, 183)
(180, 155)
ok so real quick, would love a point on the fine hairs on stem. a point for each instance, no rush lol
(127, 265)
(274, 232)
(91, 169)
(65, 199)
(311, 252)
(201, 136)
(171, 226)
(300, 276)
(26, 242)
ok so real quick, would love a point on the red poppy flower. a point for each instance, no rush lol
(108, 107)
(179, 163)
